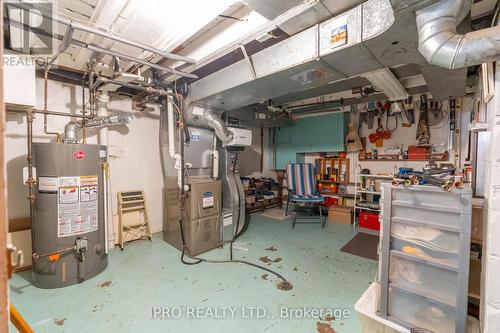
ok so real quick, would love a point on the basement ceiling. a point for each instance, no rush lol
(163, 24)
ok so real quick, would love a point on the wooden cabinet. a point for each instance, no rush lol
(310, 135)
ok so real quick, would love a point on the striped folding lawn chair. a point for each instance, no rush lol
(302, 192)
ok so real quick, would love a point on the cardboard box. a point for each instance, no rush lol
(477, 224)
(340, 214)
(475, 278)
(250, 199)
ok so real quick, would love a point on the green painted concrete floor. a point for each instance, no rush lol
(193, 298)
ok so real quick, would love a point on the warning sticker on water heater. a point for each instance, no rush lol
(208, 199)
(77, 205)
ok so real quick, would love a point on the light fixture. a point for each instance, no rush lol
(385, 81)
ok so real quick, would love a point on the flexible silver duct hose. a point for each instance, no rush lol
(71, 128)
(111, 119)
(214, 121)
(440, 43)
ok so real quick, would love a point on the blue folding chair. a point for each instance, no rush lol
(302, 193)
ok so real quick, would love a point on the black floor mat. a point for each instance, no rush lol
(362, 245)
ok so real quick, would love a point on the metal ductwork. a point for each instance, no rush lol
(71, 128)
(306, 60)
(440, 43)
(380, 33)
(200, 116)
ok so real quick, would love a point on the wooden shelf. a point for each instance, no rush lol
(20, 224)
(337, 166)
(260, 206)
(366, 208)
(343, 195)
(331, 182)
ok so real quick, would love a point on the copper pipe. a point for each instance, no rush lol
(54, 113)
(45, 105)
(31, 181)
(84, 130)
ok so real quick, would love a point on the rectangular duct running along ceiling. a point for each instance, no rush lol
(385, 81)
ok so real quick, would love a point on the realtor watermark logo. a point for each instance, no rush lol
(28, 28)
(246, 312)
(28, 33)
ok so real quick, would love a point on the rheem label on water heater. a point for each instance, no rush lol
(208, 200)
(77, 205)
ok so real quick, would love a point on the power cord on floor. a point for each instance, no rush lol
(285, 285)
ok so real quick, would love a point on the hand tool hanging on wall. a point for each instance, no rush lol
(408, 112)
(394, 110)
(353, 143)
(363, 112)
(423, 133)
(371, 114)
(380, 134)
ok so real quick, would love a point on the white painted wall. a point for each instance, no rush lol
(138, 167)
(490, 286)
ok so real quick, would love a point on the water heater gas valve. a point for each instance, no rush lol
(81, 247)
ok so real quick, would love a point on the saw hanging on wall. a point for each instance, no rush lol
(423, 133)
(380, 133)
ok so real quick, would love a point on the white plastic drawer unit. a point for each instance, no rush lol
(424, 257)
(422, 214)
(420, 312)
(435, 282)
(426, 242)
(451, 199)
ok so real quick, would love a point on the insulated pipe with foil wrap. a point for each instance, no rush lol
(71, 128)
(441, 44)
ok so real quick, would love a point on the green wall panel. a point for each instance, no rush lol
(310, 135)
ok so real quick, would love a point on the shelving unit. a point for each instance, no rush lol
(437, 157)
(261, 204)
(364, 194)
(333, 171)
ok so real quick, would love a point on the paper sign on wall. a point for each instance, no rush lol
(338, 32)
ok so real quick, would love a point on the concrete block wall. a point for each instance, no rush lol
(490, 284)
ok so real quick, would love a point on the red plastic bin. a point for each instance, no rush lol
(369, 220)
(329, 201)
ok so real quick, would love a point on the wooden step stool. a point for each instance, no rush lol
(131, 202)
